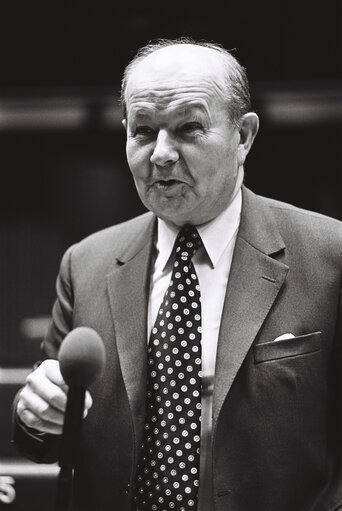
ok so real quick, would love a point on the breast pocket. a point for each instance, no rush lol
(294, 347)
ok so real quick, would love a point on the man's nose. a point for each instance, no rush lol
(165, 151)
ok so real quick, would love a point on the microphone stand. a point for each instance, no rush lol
(70, 446)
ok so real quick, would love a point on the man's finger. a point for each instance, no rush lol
(88, 403)
(51, 369)
(32, 421)
(39, 407)
(48, 385)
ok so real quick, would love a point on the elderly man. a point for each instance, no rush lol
(219, 310)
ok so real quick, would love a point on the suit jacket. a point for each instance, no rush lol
(276, 405)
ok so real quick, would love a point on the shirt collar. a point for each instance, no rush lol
(216, 235)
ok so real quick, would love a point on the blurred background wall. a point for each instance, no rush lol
(62, 147)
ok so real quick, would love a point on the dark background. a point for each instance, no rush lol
(62, 148)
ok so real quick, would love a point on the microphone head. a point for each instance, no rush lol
(81, 357)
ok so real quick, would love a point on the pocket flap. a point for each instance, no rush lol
(293, 347)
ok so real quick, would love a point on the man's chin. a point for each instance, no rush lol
(174, 209)
(175, 216)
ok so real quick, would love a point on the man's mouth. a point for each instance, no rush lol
(167, 185)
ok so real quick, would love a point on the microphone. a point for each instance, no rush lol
(81, 359)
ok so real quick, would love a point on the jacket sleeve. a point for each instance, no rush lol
(43, 447)
(62, 312)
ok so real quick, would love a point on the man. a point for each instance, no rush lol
(260, 281)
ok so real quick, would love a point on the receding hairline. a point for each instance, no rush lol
(189, 47)
(234, 74)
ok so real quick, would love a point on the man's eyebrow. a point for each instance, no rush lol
(141, 113)
(191, 109)
(180, 112)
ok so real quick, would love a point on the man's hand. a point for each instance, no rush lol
(42, 402)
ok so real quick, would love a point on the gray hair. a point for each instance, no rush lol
(237, 87)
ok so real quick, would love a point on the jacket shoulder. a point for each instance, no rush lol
(106, 246)
(300, 224)
(118, 235)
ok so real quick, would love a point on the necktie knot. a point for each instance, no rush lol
(187, 243)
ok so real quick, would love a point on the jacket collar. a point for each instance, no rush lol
(257, 226)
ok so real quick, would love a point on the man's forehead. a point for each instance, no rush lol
(176, 74)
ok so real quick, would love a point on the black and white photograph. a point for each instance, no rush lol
(171, 256)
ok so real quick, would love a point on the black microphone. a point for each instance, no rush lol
(81, 359)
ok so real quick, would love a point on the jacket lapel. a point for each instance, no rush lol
(254, 282)
(128, 287)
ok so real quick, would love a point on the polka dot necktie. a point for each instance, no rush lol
(168, 471)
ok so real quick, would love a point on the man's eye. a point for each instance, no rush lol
(144, 131)
(190, 127)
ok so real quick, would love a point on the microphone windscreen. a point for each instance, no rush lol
(81, 357)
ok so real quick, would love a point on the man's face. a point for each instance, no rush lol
(181, 148)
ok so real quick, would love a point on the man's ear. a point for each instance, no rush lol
(124, 124)
(249, 126)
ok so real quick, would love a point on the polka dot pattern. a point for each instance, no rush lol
(168, 470)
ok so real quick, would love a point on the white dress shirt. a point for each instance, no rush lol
(212, 263)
